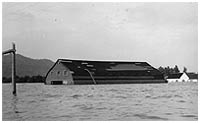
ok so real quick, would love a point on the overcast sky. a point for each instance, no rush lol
(162, 34)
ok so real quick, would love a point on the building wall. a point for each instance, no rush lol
(173, 80)
(60, 73)
(193, 80)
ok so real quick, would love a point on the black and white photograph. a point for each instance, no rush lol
(99, 61)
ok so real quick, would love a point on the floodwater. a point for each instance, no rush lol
(172, 101)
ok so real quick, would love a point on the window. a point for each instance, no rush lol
(84, 63)
(65, 73)
(58, 73)
(90, 65)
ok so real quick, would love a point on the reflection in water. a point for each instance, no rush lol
(174, 101)
(14, 104)
(15, 111)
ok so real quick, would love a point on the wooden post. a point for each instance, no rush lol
(13, 50)
(13, 70)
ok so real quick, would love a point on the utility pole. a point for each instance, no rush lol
(13, 50)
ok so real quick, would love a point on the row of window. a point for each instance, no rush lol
(64, 73)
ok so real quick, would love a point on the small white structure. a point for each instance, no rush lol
(183, 77)
(179, 77)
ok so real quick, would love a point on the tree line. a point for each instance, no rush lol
(167, 70)
(25, 79)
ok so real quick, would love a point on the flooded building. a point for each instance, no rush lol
(66, 71)
(178, 77)
(182, 77)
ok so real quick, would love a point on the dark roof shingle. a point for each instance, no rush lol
(174, 76)
(192, 75)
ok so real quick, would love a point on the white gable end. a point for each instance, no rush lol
(184, 77)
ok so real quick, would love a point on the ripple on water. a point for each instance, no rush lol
(181, 101)
(113, 90)
(188, 115)
(19, 112)
(66, 116)
(90, 95)
(101, 108)
(42, 100)
(121, 97)
(178, 96)
(76, 96)
(52, 95)
(77, 105)
(144, 116)
(86, 107)
(138, 104)
(148, 96)
(168, 113)
(83, 106)
(105, 102)
(146, 90)
(163, 96)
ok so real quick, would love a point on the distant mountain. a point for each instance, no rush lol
(25, 66)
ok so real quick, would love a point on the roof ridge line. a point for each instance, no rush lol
(101, 61)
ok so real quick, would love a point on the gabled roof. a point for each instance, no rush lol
(108, 65)
(192, 75)
(175, 76)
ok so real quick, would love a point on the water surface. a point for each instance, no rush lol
(172, 101)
